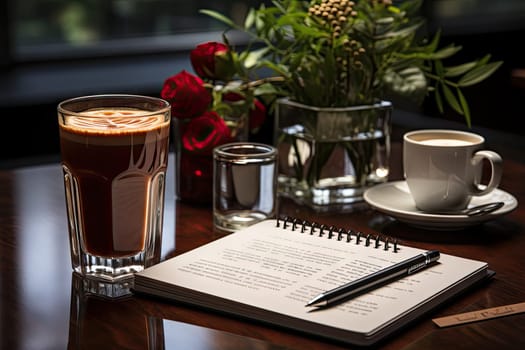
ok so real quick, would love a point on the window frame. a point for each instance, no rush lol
(43, 75)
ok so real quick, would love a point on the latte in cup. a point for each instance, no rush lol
(114, 152)
(443, 168)
(113, 160)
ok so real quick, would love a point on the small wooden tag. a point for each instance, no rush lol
(480, 315)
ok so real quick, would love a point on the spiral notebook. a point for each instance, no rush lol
(269, 271)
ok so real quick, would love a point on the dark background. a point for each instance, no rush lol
(30, 91)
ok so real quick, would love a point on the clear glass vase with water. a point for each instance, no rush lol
(328, 157)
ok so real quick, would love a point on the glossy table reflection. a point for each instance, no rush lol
(40, 307)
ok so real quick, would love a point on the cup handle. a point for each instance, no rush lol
(496, 165)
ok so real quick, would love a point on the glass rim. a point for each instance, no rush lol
(417, 136)
(246, 152)
(379, 104)
(163, 105)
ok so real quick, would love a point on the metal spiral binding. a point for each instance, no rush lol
(339, 233)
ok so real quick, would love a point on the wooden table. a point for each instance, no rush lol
(40, 308)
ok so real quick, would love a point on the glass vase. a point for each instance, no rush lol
(328, 157)
(194, 167)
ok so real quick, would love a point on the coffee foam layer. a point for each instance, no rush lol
(445, 142)
(113, 121)
(445, 139)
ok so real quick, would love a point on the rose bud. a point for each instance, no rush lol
(212, 60)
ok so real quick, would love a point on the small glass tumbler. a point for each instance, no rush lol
(244, 184)
(114, 152)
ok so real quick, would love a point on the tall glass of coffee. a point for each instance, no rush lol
(114, 157)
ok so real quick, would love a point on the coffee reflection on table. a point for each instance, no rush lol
(97, 322)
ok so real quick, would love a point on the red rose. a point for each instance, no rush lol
(257, 111)
(205, 132)
(210, 61)
(186, 94)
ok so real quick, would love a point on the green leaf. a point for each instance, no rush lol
(412, 7)
(218, 16)
(440, 70)
(403, 33)
(250, 19)
(446, 52)
(460, 69)
(464, 106)
(265, 89)
(484, 60)
(409, 83)
(435, 42)
(451, 99)
(479, 74)
(254, 57)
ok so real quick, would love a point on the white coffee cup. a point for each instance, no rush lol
(443, 168)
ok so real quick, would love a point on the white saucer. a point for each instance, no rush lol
(394, 199)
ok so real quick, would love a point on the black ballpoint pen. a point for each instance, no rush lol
(380, 277)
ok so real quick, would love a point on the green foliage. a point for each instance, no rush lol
(336, 53)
